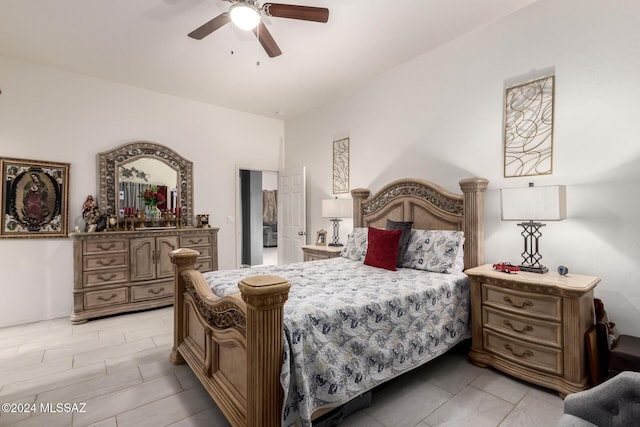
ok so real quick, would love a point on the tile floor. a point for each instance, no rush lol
(117, 373)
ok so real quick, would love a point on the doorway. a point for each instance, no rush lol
(258, 222)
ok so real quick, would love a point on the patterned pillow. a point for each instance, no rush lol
(356, 247)
(433, 250)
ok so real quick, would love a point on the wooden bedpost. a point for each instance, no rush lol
(264, 296)
(359, 195)
(182, 259)
(473, 190)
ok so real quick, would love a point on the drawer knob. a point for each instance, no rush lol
(106, 279)
(109, 298)
(524, 354)
(525, 303)
(106, 264)
(155, 291)
(523, 330)
(195, 242)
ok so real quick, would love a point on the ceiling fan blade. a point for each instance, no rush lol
(305, 13)
(205, 29)
(267, 41)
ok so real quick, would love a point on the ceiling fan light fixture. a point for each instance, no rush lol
(244, 15)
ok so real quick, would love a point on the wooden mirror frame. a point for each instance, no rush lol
(109, 161)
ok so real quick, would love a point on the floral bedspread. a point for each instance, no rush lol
(349, 327)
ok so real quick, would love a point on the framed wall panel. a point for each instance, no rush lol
(528, 128)
(341, 166)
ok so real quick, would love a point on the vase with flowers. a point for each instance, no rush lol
(151, 198)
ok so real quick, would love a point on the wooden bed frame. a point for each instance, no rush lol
(234, 344)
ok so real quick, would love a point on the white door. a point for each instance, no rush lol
(292, 227)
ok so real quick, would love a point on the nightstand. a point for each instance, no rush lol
(313, 252)
(532, 326)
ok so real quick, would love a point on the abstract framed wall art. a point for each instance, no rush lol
(528, 128)
(341, 166)
(35, 199)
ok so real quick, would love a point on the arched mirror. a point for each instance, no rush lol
(125, 172)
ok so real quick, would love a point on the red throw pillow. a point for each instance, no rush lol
(382, 249)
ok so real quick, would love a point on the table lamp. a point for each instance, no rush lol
(336, 209)
(532, 205)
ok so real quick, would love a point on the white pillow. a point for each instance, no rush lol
(434, 250)
(458, 266)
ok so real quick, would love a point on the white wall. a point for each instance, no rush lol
(46, 114)
(269, 180)
(439, 117)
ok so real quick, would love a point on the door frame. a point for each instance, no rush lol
(238, 208)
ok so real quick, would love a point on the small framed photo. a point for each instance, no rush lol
(35, 198)
(321, 238)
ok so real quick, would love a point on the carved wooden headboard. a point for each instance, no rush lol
(430, 207)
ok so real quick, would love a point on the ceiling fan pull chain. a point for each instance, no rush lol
(233, 34)
(257, 46)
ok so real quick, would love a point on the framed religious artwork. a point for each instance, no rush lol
(35, 199)
(528, 128)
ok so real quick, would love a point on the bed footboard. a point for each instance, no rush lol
(233, 345)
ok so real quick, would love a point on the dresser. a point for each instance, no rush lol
(532, 326)
(117, 272)
(315, 252)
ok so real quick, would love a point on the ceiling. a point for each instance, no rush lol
(144, 43)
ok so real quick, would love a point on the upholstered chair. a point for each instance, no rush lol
(613, 403)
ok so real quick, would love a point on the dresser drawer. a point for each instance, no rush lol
(109, 260)
(525, 328)
(538, 357)
(523, 303)
(103, 246)
(105, 277)
(205, 251)
(157, 290)
(195, 240)
(107, 297)
(203, 265)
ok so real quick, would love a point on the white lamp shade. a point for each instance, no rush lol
(547, 203)
(337, 208)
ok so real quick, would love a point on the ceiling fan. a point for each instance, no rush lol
(246, 14)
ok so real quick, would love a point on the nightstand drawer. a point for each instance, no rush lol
(314, 256)
(314, 252)
(525, 328)
(523, 303)
(523, 353)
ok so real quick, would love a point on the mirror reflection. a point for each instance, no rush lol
(144, 163)
(142, 174)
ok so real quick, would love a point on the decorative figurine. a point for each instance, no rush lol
(92, 216)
